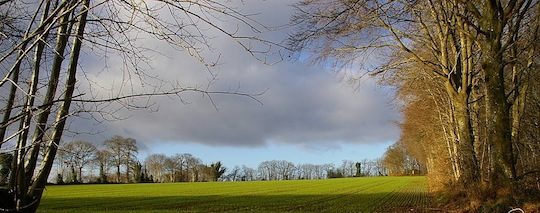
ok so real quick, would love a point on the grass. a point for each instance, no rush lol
(381, 194)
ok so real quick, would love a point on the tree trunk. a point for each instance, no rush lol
(468, 161)
(73, 177)
(466, 157)
(102, 176)
(35, 191)
(80, 174)
(127, 171)
(29, 104)
(499, 129)
(11, 98)
(118, 173)
(18, 179)
(14, 73)
(498, 115)
(497, 108)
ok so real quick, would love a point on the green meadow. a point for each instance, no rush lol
(373, 194)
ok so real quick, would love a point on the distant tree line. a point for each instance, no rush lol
(115, 161)
(117, 154)
(181, 168)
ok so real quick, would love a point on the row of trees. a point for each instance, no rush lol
(116, 161)
(118, 153)
(466, 71)
(181, 168)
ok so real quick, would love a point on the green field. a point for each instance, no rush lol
(380, 194)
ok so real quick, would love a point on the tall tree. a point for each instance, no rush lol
(358, 166)
(155, 164)
(123, 152)
(79, 154)
(217, 170)
(103, 160)
(171, 168)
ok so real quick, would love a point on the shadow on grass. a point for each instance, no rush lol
(375, 202)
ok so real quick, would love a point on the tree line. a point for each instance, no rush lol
(116, 161)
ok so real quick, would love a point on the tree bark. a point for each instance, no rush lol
(497, 108)
(41, 179)
(39, 131)
(467, 160)
(80, 175)
(118, 173)
(26, 121)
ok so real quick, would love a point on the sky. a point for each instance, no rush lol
(304, 113)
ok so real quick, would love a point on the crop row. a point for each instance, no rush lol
(334, 195)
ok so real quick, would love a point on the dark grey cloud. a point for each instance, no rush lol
(302, 104)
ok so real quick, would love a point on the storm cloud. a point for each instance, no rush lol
(302, 103)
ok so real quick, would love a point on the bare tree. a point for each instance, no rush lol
(235, 174)
(193, 167)
(348, 168)
(123, 151)
(286, 169)
(181, 161)
(78, 154)
(103, 160)
(247, 174)
(266, 170)
(155, 164)
(171, 168)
